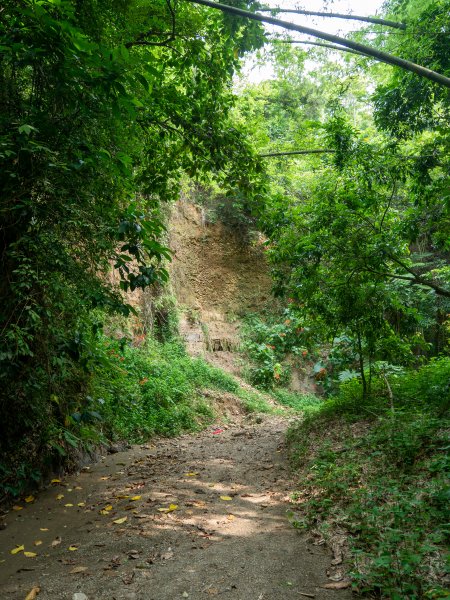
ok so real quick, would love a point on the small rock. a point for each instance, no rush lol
(79, 596)
(185, 595)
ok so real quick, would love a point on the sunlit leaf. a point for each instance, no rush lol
(135, 497)
(55, 481)
(81, 504)
(120, 521)
(60, 496)
(72, 548)
(191, 474)
(17, 549)
(29, 499)
(226, 498)
(168, 509)
(43, 528)
(16, 507)
(30, 554)
(37, 542)
(68, 504)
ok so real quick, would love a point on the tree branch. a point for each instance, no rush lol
(389, 59)
(312, 13)
(322, 45)
(295, 152)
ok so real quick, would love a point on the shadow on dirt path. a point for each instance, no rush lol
(224, 530)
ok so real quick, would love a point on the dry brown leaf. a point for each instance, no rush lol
(336, 585)
(76, 570)
(33, 593)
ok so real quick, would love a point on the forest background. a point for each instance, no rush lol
(108, 110)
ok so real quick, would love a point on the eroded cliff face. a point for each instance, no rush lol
(216, 279)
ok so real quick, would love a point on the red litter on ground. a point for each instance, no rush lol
(216, 431)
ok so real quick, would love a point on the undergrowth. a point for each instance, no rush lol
(381, 475)
(131, 393)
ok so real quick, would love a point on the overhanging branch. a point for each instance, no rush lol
(312, 13)
(389, 59)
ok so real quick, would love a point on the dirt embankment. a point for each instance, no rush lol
(216, 280)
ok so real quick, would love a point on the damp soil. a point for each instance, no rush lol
(206, 515)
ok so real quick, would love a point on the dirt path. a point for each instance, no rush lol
(238, 547)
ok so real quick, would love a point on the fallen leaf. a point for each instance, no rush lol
(120, 521)
(336, 585)
(29, 499)
(103, 512)
(231, 517)
(33, 593)
(55, 481)
(37, 542)
(30, 554)
(193, 474)
(43, 528)
(169, 509)
(108, 508)
(127, 578)
(17, 549)
(16, 507)
(226, 498)
(77, 487)
(81, 504)
(72, 548)
(122, 496)
(76, 570)
(60, 496)
(56, 542)
(217, 431)
(104, 478)
(134, 498)
(167, 555)
(68, 504)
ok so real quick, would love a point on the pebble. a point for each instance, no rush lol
(79, 596)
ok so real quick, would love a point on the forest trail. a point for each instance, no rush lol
(229, 536)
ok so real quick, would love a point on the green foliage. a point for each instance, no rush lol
(269, 342)
(382, 475)
(101, 116)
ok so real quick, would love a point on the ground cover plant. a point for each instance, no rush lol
(380, 475)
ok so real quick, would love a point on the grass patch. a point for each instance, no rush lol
(155, 390)
(382, 476)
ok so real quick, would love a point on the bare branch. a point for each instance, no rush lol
(295, 152)
(322, 45)
(311, 13)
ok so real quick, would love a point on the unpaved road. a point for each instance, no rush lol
(241, 548)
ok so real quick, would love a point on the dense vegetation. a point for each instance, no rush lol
(106, 108)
